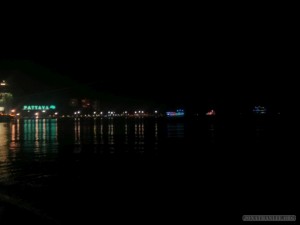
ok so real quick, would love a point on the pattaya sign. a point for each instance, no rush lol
(38, 107)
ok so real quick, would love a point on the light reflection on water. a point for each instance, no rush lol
(139, 136)
(41, 140)
(176, 130)
(4, 151)
(70, 154)
(111, 136)
(77, 131)
(23, 142)
(36, 132)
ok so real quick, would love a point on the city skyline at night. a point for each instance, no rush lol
(29, 86)
(163, 114)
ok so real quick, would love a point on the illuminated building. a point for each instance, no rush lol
(6, 98)
(85, 103)
(81, 103)
(178, 113)
(259, 110)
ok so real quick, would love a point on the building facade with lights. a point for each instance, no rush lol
(6, 98)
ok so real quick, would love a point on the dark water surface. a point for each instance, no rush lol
(141, 170)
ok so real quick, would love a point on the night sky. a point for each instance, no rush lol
(157, 57)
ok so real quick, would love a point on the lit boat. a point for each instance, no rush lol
(211, 113)
(178, 113)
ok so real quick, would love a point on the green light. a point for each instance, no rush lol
(38, 107)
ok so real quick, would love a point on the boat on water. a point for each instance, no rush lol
(177, 113)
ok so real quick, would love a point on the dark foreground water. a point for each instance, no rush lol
(144, 170)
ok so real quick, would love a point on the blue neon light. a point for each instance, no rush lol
(178, 113)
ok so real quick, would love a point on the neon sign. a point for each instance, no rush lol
(38, 107)
(179, 112)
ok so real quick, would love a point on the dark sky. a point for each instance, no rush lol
(159, 56)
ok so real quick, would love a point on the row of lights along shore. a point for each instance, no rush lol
(45, 113)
